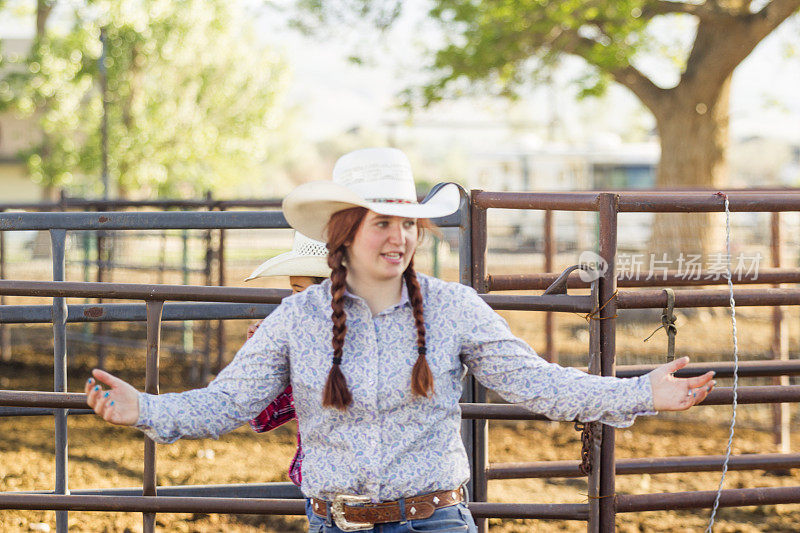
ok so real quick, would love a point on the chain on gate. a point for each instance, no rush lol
(587, 430)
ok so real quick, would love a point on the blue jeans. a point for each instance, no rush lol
(453, 519)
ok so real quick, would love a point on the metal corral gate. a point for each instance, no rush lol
(283, 498)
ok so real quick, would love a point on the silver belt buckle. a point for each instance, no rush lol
(337, 510)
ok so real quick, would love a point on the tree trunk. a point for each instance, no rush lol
(694, 141)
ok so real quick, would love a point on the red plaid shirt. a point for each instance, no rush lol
(280, 411)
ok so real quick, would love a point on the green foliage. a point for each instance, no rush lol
(192, 103)
(498, 46)
(510, 43)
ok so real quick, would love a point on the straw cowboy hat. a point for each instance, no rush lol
(379, 179)
(307, 258)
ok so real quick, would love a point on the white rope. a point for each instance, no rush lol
(735, 363)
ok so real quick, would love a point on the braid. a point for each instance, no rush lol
(421, 376)
(336, 394)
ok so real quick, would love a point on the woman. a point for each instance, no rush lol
(306, 265)
(374, 356)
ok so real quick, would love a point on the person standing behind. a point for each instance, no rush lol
(306, 265)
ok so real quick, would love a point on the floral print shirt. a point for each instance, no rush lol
(389, 443)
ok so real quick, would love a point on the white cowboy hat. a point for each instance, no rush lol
(379, 179)
(307, 258)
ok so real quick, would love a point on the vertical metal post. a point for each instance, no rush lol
(780, 348)
(187, 325)
(479, 245)
(221, 283)
(154, 309)
(550, 352)
(464, 239)
(465, 278)
(5, 343)
(481, 427)
(100, 327)
(86, 244)
(608, 207)
(209, 258)
(58, 242)
(162, 257)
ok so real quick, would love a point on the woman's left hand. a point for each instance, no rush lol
(677, 394)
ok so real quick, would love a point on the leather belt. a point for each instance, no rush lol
(355, 513)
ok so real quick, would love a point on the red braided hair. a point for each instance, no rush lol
(342, 229)
(421, 376)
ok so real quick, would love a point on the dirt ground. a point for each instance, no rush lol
(104, 456)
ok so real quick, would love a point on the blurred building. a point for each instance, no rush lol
(556, 167)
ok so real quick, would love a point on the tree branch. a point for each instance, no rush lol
(713, 59)
(43, 10)
(775, 12)
(571, 42)
(648, 92)
(666, 7)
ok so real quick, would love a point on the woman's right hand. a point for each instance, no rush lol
(119, 404)
(251, 330)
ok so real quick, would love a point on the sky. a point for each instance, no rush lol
(333, 95)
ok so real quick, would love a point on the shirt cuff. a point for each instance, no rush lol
(644, 396)
(145, 420)
(639, 396)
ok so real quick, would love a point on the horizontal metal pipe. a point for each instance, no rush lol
(559, 302)
(707, 202)
(703, 190)
(55, 400)
(541, 511)
(133, 312)
(750, 369)
(535, 469)
(494, 411)
(670, 278)
(122, 220)
(719, 396)
(181, 504)
(153, 504)
(635, 503)
(554, 201)
(752, 395)
(139, 291)
(644, 299)
(69, 289)
(275, 203)
(647, 465)
(35, 411)
(645, 201)
(110, 205)
(234, 490)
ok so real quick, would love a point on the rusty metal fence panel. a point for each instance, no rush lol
(226, 302)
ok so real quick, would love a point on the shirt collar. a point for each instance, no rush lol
(403, 296)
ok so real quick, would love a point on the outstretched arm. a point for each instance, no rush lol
(678, 394)
(504, 363)
(258, 372)
(119, 404)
